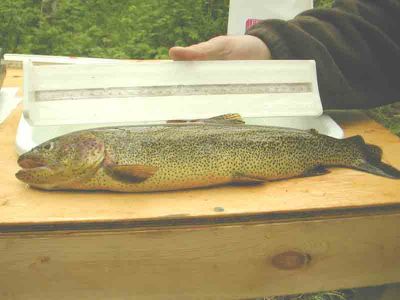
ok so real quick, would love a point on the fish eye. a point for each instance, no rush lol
(49, 146)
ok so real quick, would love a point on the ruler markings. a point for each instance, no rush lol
(173, 90)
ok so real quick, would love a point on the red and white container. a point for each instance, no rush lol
(245, 13)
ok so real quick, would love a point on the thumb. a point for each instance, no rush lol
(224, 47)
(215, 49)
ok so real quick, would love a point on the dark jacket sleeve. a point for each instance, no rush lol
(356, 46)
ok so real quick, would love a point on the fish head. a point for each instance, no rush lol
(62, 160)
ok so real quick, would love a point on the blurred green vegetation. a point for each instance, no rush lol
(388, 116)
(323, 3)
(142, 29)
(106, 28)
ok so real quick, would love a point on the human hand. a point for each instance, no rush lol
(224, 47)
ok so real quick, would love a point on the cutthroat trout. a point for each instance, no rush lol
(177, 156)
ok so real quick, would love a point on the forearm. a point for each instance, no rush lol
(356, 46)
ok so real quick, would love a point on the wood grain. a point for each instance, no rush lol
(342, 189)
(222, 262)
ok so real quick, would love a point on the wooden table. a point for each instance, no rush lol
(340, 230)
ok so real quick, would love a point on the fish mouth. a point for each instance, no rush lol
(30, 163)
(33, 169)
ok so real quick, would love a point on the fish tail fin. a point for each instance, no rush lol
(371, 161)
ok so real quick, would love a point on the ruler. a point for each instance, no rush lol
(173, 90)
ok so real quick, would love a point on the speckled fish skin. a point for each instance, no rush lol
(173, 157)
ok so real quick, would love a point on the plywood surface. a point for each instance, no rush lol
(340, 189)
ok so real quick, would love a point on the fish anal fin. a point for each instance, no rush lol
(131, 173)
(243, 179)
(317, 171)
(222, 119)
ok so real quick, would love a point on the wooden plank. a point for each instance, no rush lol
(14, 78)
(214, 262)
(341, 190)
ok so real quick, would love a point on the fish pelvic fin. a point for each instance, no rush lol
(372, 159)
(222, 119)
(243, 179)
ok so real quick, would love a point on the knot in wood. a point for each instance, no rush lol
(290, 260)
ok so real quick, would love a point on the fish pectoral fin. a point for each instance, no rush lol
(222, 119)
(317, 171)
(248, 179)
(131, 173)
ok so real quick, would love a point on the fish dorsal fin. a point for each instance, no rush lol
(131, 173)
(313, 131)
(227, 118)
(222, 119)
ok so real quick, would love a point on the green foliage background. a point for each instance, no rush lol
(141, 29)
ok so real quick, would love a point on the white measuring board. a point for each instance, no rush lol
(146, 92)
(51, 59)
(17, 60)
